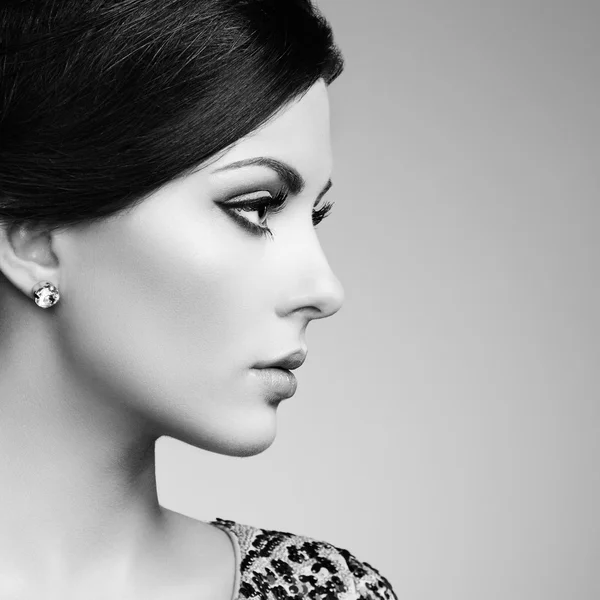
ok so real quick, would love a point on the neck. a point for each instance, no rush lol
(77, 471)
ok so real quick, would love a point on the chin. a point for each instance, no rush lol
(246, 437)
(241, 450)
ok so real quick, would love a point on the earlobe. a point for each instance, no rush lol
(29, 263)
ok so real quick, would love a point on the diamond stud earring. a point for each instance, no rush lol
(45, 294)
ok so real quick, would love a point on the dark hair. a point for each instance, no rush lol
(104, 101)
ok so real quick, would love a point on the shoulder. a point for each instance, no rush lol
(278, 564)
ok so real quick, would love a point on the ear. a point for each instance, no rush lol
(27, 257)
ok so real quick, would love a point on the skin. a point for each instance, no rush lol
(163, 312)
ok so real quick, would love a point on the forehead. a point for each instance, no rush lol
(298, 134)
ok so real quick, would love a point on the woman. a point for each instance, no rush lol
(163, 166)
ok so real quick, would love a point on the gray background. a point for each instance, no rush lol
(446, 426)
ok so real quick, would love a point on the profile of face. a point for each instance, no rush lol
(166, 309)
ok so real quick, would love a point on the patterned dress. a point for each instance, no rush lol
(275, 565)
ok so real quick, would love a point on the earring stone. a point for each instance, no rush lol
(45, 294)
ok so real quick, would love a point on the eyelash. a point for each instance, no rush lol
(276, 205)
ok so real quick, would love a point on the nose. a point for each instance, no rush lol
(313, 287)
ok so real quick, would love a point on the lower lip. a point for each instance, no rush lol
(281, 381)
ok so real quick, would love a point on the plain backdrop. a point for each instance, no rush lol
(446, 427)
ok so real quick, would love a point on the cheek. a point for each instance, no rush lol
(163, 320)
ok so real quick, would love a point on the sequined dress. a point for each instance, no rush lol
(275, 565)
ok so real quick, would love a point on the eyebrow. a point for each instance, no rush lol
(291, 177)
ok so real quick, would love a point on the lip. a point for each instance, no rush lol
(281, 382)
(289, 362)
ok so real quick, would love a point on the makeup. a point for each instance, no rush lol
(281, 382)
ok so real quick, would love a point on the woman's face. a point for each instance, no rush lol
(165, 309)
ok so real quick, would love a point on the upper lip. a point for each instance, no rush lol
(290, 361)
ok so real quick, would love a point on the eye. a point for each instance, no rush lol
(266, 206)
(322, 213)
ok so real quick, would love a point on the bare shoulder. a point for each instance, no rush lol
(200, 557)
(195, 538)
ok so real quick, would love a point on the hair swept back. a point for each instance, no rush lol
(104, 101)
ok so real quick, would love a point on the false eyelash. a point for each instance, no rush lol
(322, 213)
(274, 205)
